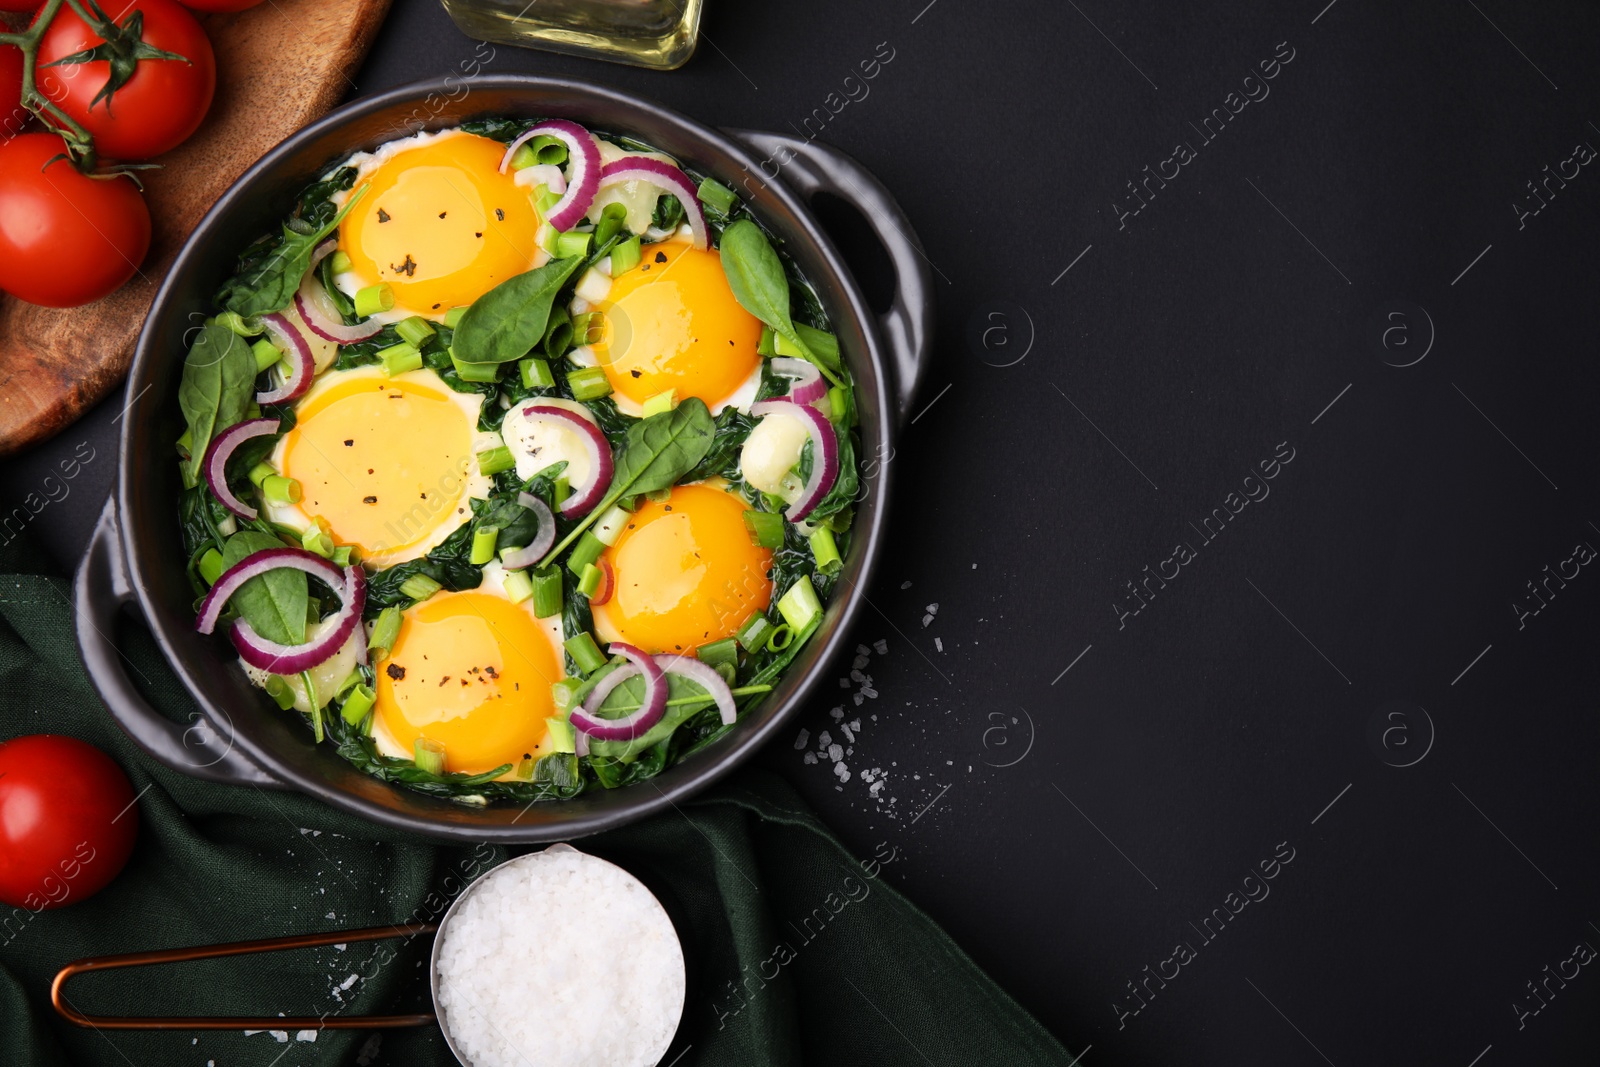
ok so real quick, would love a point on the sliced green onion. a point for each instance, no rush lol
(238, 324)
(495, 460)
(588, 328)
(800, 605)
(524, 156)
(373, 299)
(720, 653)
(518, 586)
(261, 472)
(764, 346)
(211, 566)
(589, 383)
(823, 345)
(253, 411)
(316, 705)
(351, 680)
(765, 528)
(266, 354)
(564, 694)
(840, 520)
(419, 587)
(563, 738)
(526, 765)
(825, 551)
(659, 496)
(785, 347)
(780, 638)
(547, 149)
(572, 243)
(610, 223)
(452, 318)
(754, 633)
(536, 374)
(586, 552)
(280, 490)
(475, 372)
(280, 691)
(385, 632)
(589, 582)
(609, 526)
(662, 401)
(585, 653)
(357, 704)
(400, 358)
(416, 330)
(713, 194)
(429, 755)
(340, 263)
(343, 554)
(625, 256)
(547, 599)
(483, 542)
(314, 540)
(560, 490)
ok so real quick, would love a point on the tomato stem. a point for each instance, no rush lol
(80, 145)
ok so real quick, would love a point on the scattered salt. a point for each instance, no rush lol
(803, 740)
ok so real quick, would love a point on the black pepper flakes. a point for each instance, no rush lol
(349, 441)
(661, 257)
(395, 671)
(499, 216)
(408, 267)
(369, 500)
(442, 214)
(383, 216)
(443, 680)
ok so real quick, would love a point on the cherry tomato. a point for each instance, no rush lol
(30, 6)
(12, 114)
(209, 5)
(159, 106)
(67, 821)
(65, 238)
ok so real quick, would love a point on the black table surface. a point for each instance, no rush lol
(1237, 700)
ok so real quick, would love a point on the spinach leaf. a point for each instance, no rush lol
(219, 377)
(509, 320)
(449, 564)
(628, 696)
(727, 442)
(846, 488)
(274, 604)
(269, 285)
(755, 274)
(656, 453)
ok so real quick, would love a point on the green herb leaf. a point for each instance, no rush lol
(509, 320)
(656, 453)
(274, 604)
(755, 274)
(219, 377)
(270, 284)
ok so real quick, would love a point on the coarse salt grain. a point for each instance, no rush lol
(516, 988)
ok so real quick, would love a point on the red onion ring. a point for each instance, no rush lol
(825, 453)
(664, 176)
(318, 310)
(584, 497)
(297, 352)
(651, 707)
(222, 448)
(583, 169)
(705, 676)
(349, 584)
(809, 386)
(533, 552)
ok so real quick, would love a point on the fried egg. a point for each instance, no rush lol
(472, 671)
(672, 322)
(385, 464)
(685, 572)
(438, 222)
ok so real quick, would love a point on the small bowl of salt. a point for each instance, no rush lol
(519, 979)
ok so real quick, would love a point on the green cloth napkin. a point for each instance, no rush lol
(798, 953)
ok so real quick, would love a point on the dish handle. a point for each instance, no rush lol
(809, 167)
(100, 593)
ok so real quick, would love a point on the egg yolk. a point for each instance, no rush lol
(381, 461)
(441, 225)
(473, 672)
(672, 323)
(685, 573)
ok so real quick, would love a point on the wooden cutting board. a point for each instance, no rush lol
(280, 65)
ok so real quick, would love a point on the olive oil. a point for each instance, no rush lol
(660, 34)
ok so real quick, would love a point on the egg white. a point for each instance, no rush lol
(476, 484)
(537, 444)
(494, 576)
